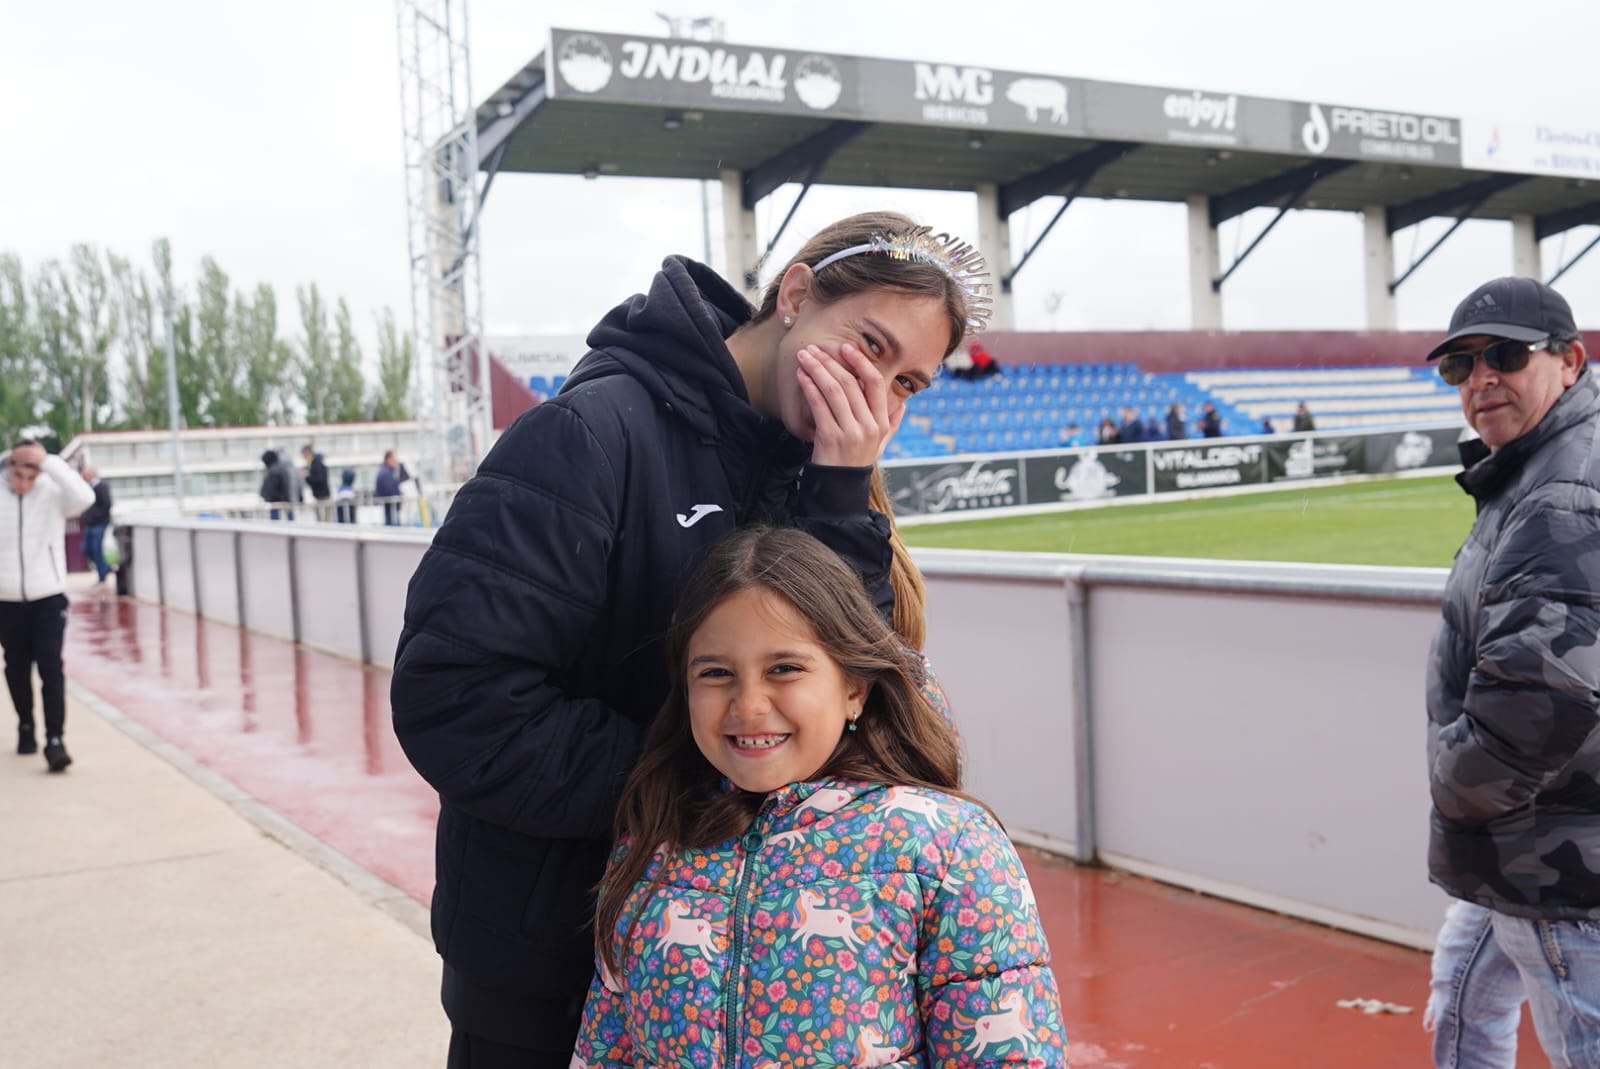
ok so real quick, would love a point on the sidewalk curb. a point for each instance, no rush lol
(377, 891)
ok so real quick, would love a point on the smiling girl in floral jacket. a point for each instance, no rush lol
(820, 892)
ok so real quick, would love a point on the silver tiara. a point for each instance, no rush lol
(957, 259)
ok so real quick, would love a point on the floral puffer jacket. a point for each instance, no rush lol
(853, 924)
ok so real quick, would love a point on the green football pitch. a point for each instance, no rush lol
(1419, 521)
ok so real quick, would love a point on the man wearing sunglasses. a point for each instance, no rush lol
(40, 493)
(1513, 691)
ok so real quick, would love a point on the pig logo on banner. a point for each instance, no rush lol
(1034, 95)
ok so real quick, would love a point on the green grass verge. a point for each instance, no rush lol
(1389, 521)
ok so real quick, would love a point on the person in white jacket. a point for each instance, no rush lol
(41, 492)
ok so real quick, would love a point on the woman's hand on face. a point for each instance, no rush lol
(849, 406)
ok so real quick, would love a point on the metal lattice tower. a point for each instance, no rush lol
(442, 199)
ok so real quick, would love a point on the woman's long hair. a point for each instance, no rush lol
(673, 799)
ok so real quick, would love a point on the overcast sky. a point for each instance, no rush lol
(267, 135)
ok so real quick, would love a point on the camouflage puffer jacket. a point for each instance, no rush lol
(1514, 679)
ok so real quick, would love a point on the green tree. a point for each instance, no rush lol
(265, 357)
(346, 385)
(92, 315)
(315, 356)
(219, 385)
(391, 394)
(18, 366)
(144, 384)
(55, 343)
(191, 396)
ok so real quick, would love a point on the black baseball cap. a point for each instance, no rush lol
(1522, 309)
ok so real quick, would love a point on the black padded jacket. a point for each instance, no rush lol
(531, 657)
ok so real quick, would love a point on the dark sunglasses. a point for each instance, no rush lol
(1504, 357)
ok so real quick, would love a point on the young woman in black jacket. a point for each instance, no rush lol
(531, 659)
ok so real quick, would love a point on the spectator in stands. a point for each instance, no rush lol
(345, 497)
(983, 362)
(1303, 420)
(958, 365)
(1266, 425)
(1075, 435)
(41, 493)
(95, 521)
(316, 478)
(1177, 429)
(1155, 429)
(279, 486)
(531, 660)
(1108, 433)
(1131, 430)
(1210, 422)
(386, 487)
(1513, 717)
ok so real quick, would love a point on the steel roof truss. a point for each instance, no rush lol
(1467, 198)
(1551, 281)
(1296, 184)
(1074, 172)
(808, 157)
(1557, 222)
(1265, 192)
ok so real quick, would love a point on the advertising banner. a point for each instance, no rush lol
(1569, 150)
(956, 485)
(1187, 116)
(716, 75)
(1085, 475)
(1315, 458)
(1429, 447)
(1365, 134)
(1203, 467)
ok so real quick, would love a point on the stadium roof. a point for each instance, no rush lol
(674, 108)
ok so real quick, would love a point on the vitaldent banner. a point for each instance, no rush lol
(1203, 467)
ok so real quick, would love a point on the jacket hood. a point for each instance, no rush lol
(673, 340)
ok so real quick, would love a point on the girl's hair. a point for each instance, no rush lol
(673, 799)
(866, 271)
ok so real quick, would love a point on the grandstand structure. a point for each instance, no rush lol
(758, 118)
(1031, 406)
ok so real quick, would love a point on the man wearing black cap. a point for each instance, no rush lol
(1514, 690)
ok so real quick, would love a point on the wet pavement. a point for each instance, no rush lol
(1151, 975)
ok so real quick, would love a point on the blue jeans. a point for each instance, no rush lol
(1559, 962)
(1486, 963)
(94, 540)
(1475, 1004)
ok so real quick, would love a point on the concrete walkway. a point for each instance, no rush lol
(151, 914)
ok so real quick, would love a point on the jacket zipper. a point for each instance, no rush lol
(750, 842)
(22, 560)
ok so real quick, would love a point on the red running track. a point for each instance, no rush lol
(1151, 976)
